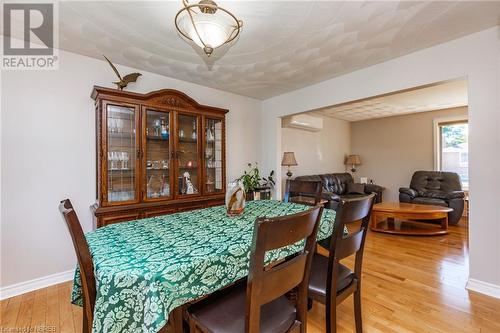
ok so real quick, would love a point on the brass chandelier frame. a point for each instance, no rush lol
(207, 7)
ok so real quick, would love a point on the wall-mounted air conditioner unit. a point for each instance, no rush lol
(303, 122)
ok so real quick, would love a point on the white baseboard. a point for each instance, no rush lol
(483, 287)
(42, 282)
(50, 280)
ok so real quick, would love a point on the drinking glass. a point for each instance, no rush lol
(125, 159)
(110, 160)
(114, 160)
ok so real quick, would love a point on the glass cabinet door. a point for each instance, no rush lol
(121, 149)
(213, 182)
(188, 174)
(157, 153)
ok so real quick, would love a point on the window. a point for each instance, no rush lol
(453, 149)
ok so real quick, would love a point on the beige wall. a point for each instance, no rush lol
(318, 152)
(393, 148)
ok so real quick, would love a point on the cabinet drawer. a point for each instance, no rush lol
(110, 219)
(215, 203)
(159, 212)
(193, 207)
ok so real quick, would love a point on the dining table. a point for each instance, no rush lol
(146, 269)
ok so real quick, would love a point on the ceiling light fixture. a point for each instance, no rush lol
(207, 25)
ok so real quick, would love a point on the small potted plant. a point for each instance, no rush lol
(265, 187)
(255, 186)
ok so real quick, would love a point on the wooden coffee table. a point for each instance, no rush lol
(409, 219)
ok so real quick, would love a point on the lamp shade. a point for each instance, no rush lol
(353, 160)
(288, 159)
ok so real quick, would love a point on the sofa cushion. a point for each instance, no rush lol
(354, 188)
(437, 194)
(430, 201)
(433, 184)
(330, 183)
(343, 179)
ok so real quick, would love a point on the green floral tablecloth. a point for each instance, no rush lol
(146, 268)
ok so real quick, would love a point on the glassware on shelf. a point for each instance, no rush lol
(209, 152)
(111, 127)
(119, 125)
(124, 159)
(210, 134)
(165, 187)
(157, 126)
(115, 125)
(164, 164)
(120, 196)
(181, 133)
(120, 180)
(164, 129)
(112, 157)
(194, 134)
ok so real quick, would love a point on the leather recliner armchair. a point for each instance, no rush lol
(436, 188)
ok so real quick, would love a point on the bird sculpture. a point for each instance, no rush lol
(132, 77)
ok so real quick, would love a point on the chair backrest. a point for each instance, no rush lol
(343, 246)
(268, 282)
(303, 188)
(84, 261)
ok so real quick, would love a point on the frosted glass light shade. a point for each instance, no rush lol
(212, 28)
(207, 25)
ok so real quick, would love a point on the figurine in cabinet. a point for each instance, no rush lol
(190, 189)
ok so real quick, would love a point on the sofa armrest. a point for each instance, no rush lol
(370, 188)
(455, 195)
(408, 191)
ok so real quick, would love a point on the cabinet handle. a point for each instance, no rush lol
(138, 153)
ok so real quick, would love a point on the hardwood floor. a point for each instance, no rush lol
(410, 284)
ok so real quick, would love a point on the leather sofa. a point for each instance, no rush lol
(436, 188)
(335, 188)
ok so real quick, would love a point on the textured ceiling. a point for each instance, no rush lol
(442, 96)
(284, 45)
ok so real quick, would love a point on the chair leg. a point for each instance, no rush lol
(331, 318)
(85, 326)
(192, 325)
(357, 311)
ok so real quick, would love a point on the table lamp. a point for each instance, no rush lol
(288, 161)
(353, 161)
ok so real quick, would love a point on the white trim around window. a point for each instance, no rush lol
(437, 136)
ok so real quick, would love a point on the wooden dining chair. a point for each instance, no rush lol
(84, 261)
(259, 304)
(330, 281)
(302, 191)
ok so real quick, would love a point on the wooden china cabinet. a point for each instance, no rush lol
(157, 153)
